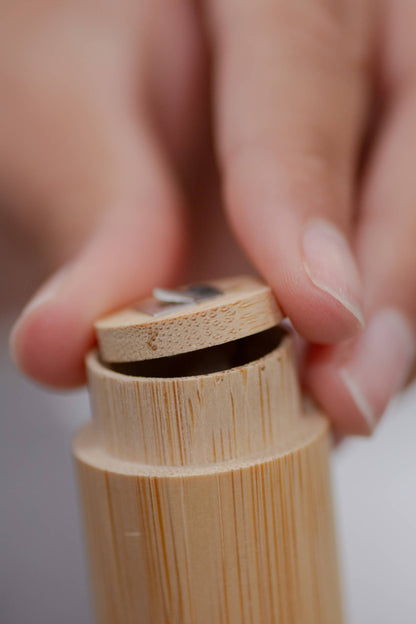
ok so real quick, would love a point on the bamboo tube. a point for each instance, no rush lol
(206, 497)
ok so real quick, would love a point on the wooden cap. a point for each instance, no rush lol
(187, 319)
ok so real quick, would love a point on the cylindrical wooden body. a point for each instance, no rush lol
(207, 499)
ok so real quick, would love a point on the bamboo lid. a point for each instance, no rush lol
(188, 318)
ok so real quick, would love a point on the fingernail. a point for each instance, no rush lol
(45, 294)
(381, 361)
(329, 263)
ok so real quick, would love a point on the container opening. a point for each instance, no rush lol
(205, 361)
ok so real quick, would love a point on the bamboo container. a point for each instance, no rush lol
(204, 478)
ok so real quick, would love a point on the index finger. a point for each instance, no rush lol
(291, 96)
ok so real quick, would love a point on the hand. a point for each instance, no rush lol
(315, 139)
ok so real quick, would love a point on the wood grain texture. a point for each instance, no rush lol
(196, 420)
(252, 544)
(247, 307)
(207, 499)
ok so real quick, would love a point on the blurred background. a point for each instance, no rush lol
(43, 576)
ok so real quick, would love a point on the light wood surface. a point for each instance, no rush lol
(200, 419)
(246, 307)
(206, 498)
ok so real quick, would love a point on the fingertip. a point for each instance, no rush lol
(318, 282)
(338, 396)
(318, 317)
(309, 265)
(329, 263)
(48, 345)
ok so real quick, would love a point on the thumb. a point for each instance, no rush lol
(137, 243)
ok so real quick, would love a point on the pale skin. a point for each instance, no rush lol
(106, 160)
